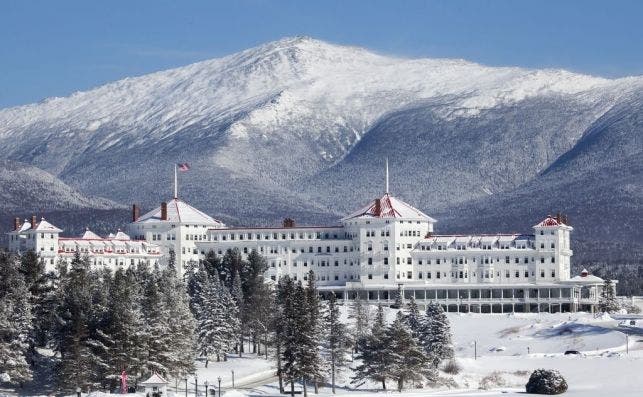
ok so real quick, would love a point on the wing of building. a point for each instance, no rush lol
(385, 245)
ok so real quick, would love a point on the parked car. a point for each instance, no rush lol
(570, 352)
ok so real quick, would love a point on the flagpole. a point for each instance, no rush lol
(176, 183)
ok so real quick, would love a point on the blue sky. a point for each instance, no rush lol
(53, 48)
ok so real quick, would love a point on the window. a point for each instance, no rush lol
(385, 276)
(409, 261)
(370, 276)
(526, 274)
(370, 261)
(386, 261)
(409, 274)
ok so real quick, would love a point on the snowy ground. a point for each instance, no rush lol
(502, 363)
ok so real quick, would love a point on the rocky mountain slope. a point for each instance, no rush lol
(301, 127)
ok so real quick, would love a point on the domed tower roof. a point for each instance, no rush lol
(388, 207)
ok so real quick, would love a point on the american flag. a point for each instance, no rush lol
(183, 166)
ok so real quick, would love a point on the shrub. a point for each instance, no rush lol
(452, 367)
(546, 381)
(492, 380)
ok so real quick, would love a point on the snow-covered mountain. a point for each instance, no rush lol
(301, 127)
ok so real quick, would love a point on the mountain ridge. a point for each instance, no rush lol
(300, 126)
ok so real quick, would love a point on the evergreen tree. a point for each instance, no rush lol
(77, 367)
(310, 324)
(408, 362)
(212, 264)
(218, 321)
(33, 269)
(399, 298)
(436, 335)
(607, 302)
(237, 296)
(361, 314)
(181, 325)
(290, 296)
(413, 318)
(126, 327)
(156, 318)
(15, 322)
(375, 357)
(232, 262)
(337, 339)
(257, 296)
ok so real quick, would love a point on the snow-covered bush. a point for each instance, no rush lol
(546, 381)
(492, 380)
(452, 367)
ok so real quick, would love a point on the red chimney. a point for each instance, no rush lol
(16, 223)
(136, 212)
(164, 211)
(378, 207)
(33, 221)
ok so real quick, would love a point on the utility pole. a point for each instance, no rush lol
(232, 378)
(196, 386)
(475, 349)
(186, 386)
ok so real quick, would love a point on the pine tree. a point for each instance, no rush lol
(376, 362)
(361, 314)
(217, 319)
(181, 325)
(436, 335)
(407, 358)
(607, 302)
(232, 262)
(156, 318)
(212, 264)
(257, 296)
(78, 364)
(337, 339)
(15, 322)
(399, 298)
(126, 327)
(237, 295)
(290, 296)
(310, 324)
(33, 269)
(413, 318)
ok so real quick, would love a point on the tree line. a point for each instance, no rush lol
(312, 343)
(98, 322)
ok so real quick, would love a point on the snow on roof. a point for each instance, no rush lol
(550, 221)
(388, 207)
(589, 278)
(89, 235)
(180, 212)
(121, 236)
(155, 379)
(44, 226)
(25, 226)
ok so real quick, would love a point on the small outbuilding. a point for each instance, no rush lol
(155, 386)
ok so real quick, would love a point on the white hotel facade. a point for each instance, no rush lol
(386, 245)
